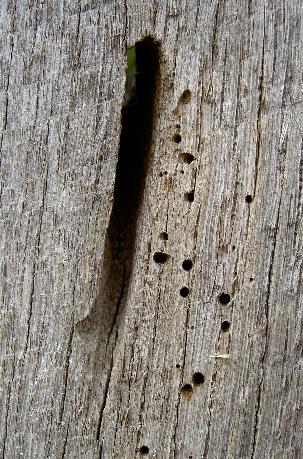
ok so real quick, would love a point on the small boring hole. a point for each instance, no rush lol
(251, 279)
(190, 196)
(249, 198)
(187, 390)
(144, 449)
(185, 97)
(184, 292)
(187, 158)
(225, 325)
(177, 138)
(198, 378)
(224, 298)
(187, 265)
(160, 257)
(164, 236)
(177, 366)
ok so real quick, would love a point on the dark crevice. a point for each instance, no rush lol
(99, 330)
(135, 140)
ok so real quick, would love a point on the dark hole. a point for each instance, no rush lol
(187, 158)
(187, 265)
(160, 257)
(233, 247)
(177, 366)
(251, 279)
(144, 449)
(164, 236)
(225, 325)
(192, 327)
(198, 378)
(185, 97)
(224, 298)
(184, 292)
(177, 138)
(190, 196)
(249, 198)
(178, 126)
(187, 389)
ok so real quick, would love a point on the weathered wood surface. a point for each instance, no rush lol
(107, 393)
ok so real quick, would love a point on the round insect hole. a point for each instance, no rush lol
(198, 378)
(184, 292)
(251, 279)
(187, 158)
(225, 325)
(144, 449)
(177, 366)
(185, 97)
(187, 389)
(160, 257)
(164, 236)
(190, 196)
(177, 138)
(187, 265)
(249, 198)
(224, 298)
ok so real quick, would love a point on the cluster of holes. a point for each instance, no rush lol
(161, 257)
(198, 379)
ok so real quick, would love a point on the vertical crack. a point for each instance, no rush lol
(100, 327)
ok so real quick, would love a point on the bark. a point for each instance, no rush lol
(104, 352)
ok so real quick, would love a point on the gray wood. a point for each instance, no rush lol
(77, 383)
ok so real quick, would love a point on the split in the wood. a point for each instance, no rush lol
(135, 145)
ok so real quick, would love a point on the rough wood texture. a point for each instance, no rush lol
(105, 391)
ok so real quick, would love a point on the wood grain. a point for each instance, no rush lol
(61, 92)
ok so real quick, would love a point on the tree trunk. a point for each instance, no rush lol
(151, 306)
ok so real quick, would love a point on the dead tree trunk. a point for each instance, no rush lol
(151, 245)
